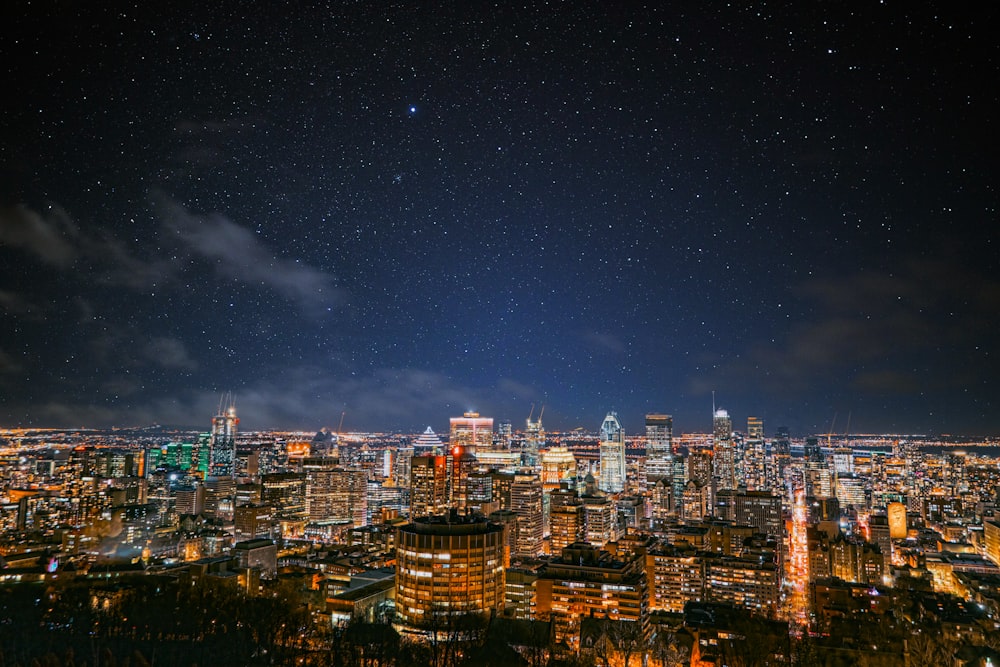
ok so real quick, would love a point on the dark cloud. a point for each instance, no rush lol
(49, 237)
(236, 252)
(169, 353)
(604, 341)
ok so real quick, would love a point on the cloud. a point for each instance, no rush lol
(169, 353)
(8, 365)
(303, 397)
(49, 238)
(604, 341)
(915, 328)
(237, 253)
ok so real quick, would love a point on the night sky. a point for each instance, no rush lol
(402, 213)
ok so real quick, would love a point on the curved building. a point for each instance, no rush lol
(448, 566)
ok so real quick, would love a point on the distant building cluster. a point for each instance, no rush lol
(557, 528)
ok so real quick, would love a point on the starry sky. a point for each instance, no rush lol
(403, 211)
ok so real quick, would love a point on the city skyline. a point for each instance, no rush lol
(387, 217)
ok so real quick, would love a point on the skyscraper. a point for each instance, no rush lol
(534, 436)
(428, 485)
(526, 503)
(222, 461)
(612, 449)
(724, 458)
(659, 446)
(471, 431)
(755, 456)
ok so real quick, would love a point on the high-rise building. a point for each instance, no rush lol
(428, 485)
(586, 581)
(526, 503)
(612, 451)
(427, 443)
(222, 462)
(724, 454)
(659, 446)
(534, 436)
(471, 431)
(566, 519)
(755, 456)
(448, 567)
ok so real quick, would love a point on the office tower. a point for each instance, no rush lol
(427, 594)
(470, 431)
(526, 504)
(699, 468)
(428, 485)
(427, 443)
(759, 509)
(566, 519)
(558, 463)
(222, 457)
(600, 522)
(252, 521)
(479, 494)
(754, 456)
(505, 435)
(534, 436)
(851, 491)
(781, 456)
(190, 499)
(286, 493)
(659, 446)
(743, 582)
(612, 451)
(724, 454)
(462, 462)
(584, 582)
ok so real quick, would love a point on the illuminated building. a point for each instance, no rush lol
(600, 521)
(470, 431)
(479, 494)
(742, 582)
(612, 452)
(252, 521)
(558, 463)
(696, 501)
(857, 561)
(851, 491)
(897, 522)
(678, 576)
(659, 446)
(286, 493)
(337, 494)
(427, 443)
(526, 503)
(991, 538)
(759, 509)
(754, 456)
(566, 520)
(190, 499)
(428, 485)
(698, 468)
(222, 458)
(448, 566)
(662, 502)
(723, 452)
(586, 581)
(462, 462)
(261, 555)
(534, 437)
